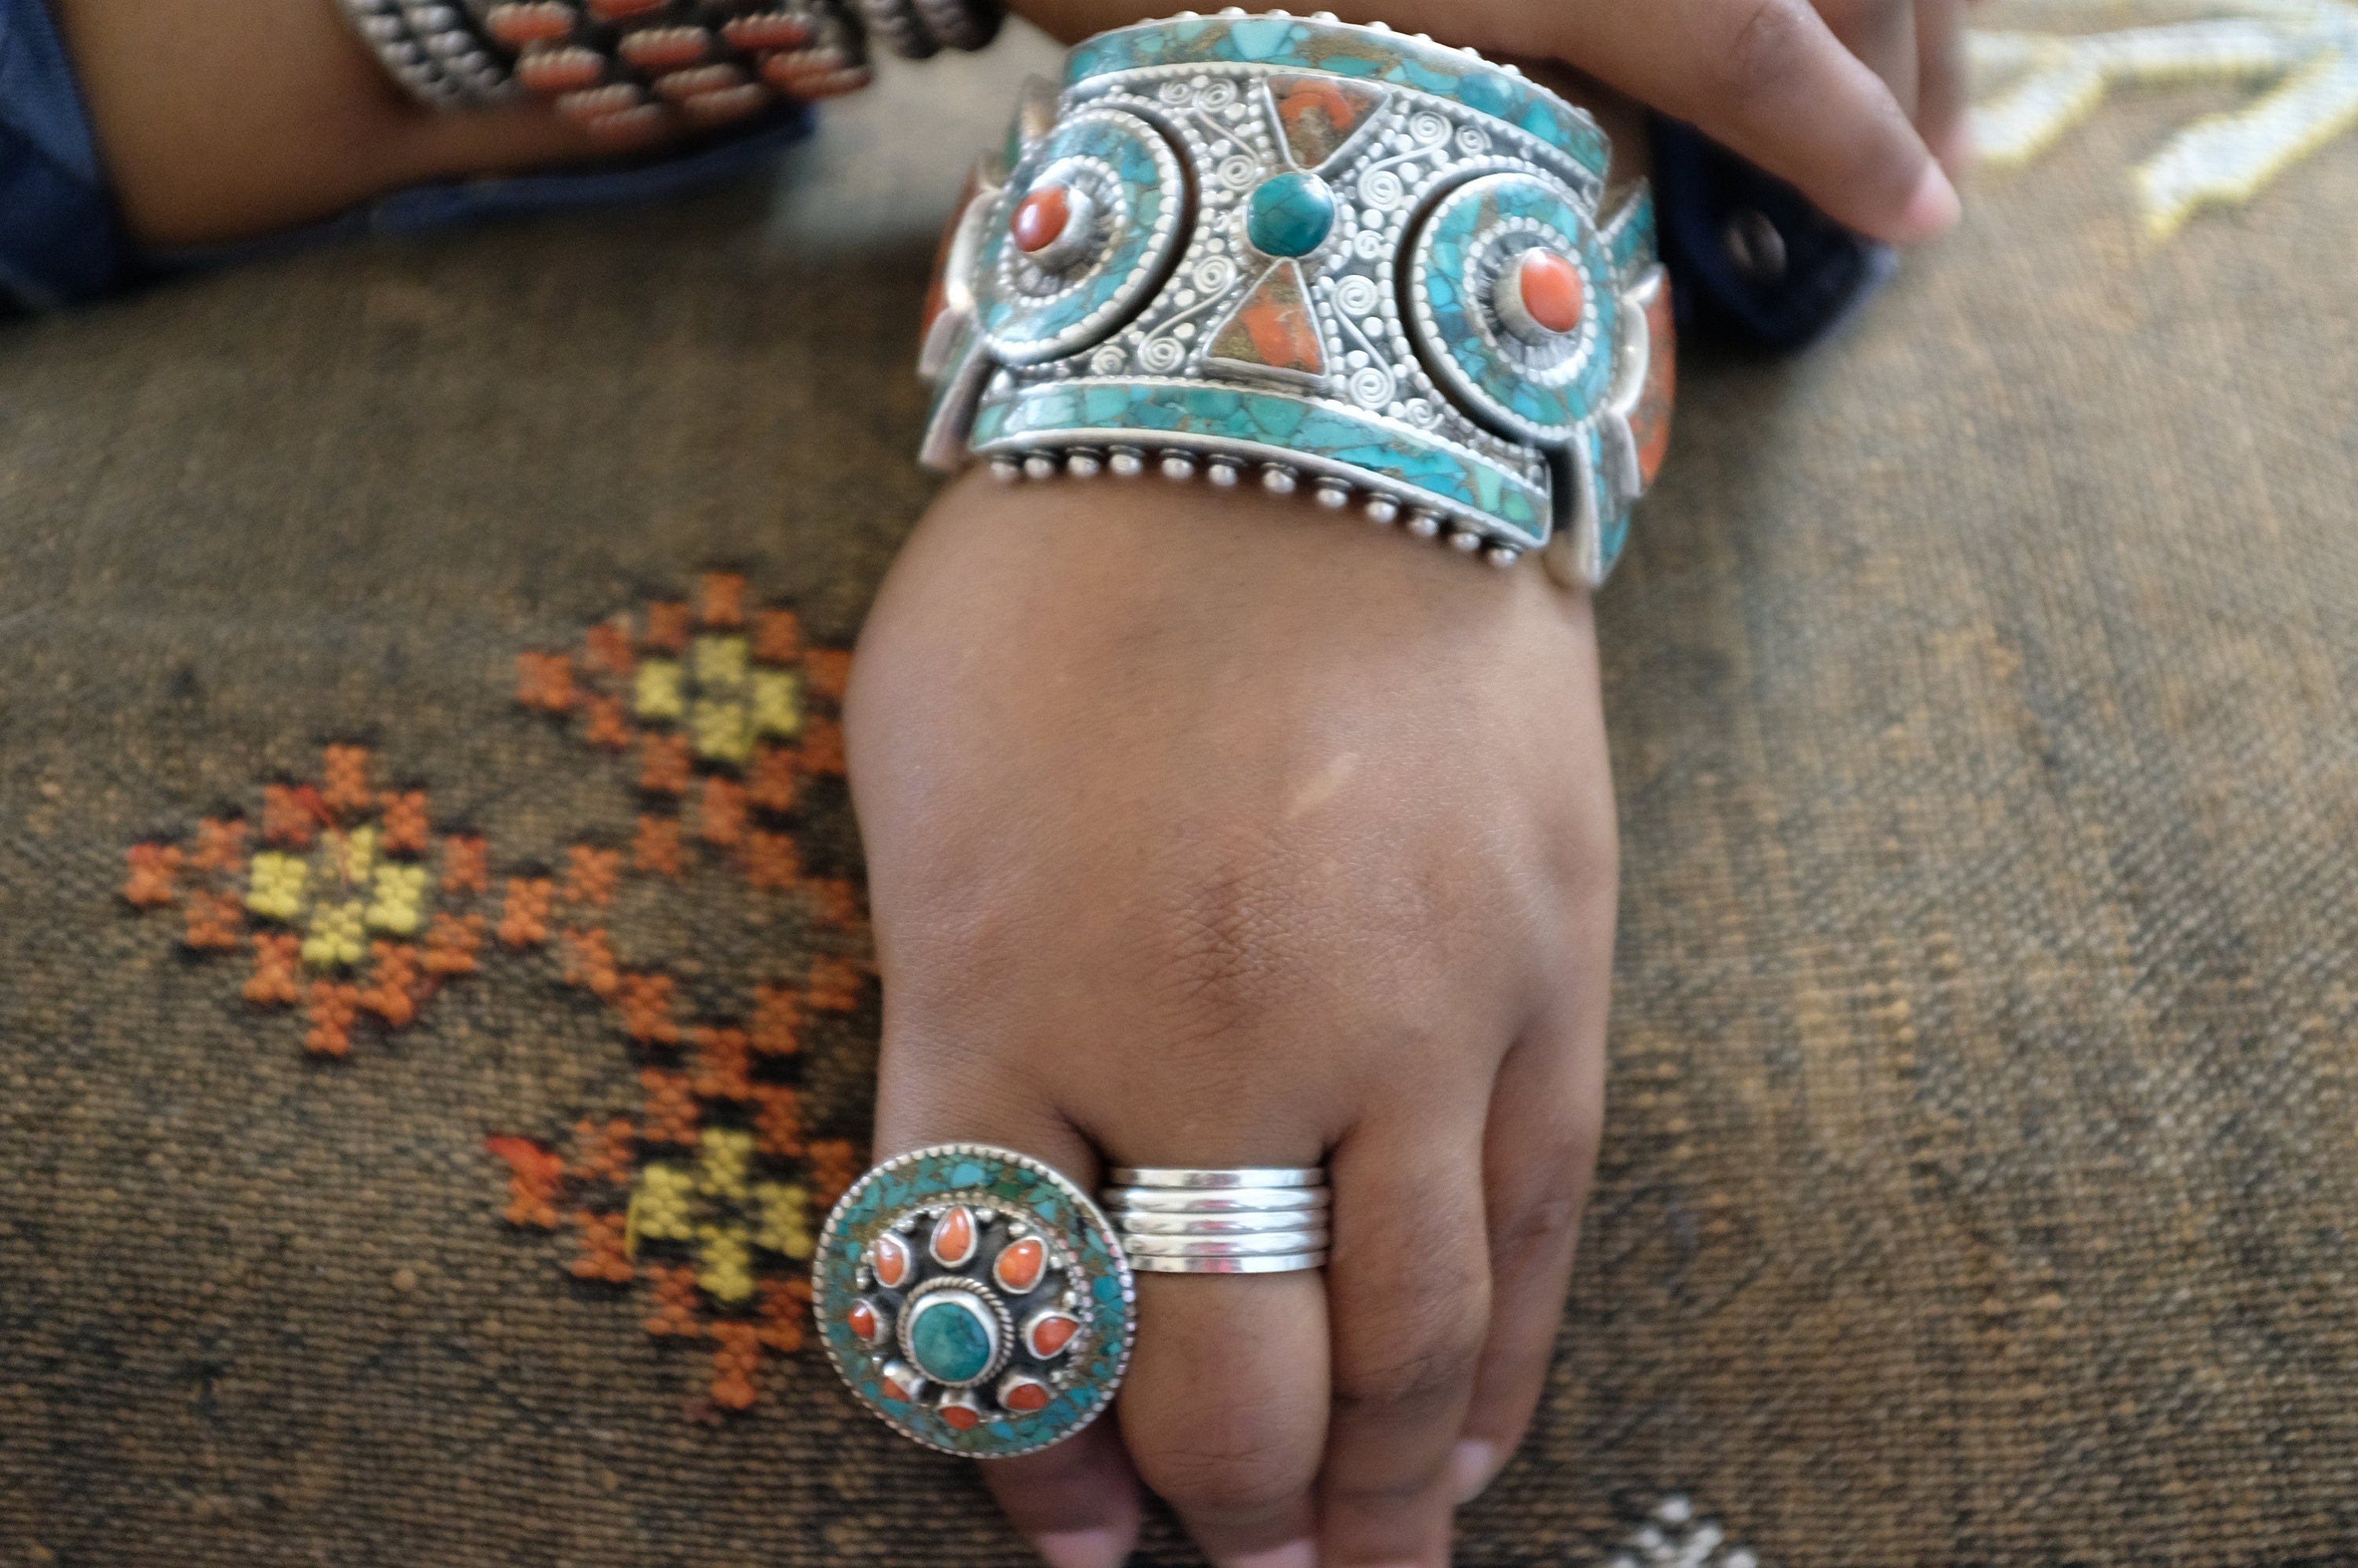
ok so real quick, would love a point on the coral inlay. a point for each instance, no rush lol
(1040, 218)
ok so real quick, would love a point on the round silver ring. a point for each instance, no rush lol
(1145, 1224)
(1290, 1263)
(1275, 1244)
(1157, 1200)
(1249, 1176)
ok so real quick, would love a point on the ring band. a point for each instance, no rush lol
(1275, 1244)
(1236, 1200)
(1176, 1176)
(1264, 1219)
(1139, 1223)
(1148, 1263)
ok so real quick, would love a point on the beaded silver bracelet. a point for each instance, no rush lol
(915, 29)
(625, 70)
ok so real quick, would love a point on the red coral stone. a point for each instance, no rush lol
(961, 1418)
(1551, 291)
(1025, 1396)
(1040, 219)
(861, 1319)
(1051, 1333)
(953, 1239)
(1018, 1268)
(769, 30)
(888, 1256)
(895, 1389)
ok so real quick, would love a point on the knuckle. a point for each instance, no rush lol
(1540, 1217)
(1764, 43)
(1425, 1354)
(1226, 1467)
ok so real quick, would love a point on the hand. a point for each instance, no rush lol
(220, 119)
(1209, 829)
(1861, 103)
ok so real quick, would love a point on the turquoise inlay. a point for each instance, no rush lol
(949, 1342)
(1023, 330)
(1286, 425)
(1300, 44)
(1289, 214)
(1464, 215)
(968, 1174)
(1629, 235)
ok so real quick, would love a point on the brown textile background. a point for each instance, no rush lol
(1979, 1186)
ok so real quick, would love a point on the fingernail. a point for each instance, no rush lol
(1472, 1465)
(1932, 210)
(1082, 1549)
(1292, 1554)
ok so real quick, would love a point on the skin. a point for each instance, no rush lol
(1177, 860)
(1859, 102)
(1204, 829)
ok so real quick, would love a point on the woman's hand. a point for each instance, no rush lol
(219, 119)
(1859, 102)
(1212, 829)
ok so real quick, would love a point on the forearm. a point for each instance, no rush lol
(220, 119)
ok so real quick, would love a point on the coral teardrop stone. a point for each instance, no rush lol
(1018, 1268)
(1052, 1334)
(861, 1319)
(888, 1256)
(961, 1418)
(1040, 217)
(1025, 1396)
(1552, 290)
(894, 1388)
(953, 1239)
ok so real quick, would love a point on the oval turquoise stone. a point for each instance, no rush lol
(1290, 215)
(949, 1341)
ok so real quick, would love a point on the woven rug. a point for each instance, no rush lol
(434, 995)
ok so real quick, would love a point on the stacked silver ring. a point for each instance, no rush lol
(1258, 1220)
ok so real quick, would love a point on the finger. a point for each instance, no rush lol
(1410, 1281)
(1539, 1156)
(1768, 80)
(1225, 1410)
(1945, 84)
(1882, 34)
(1076, 1502)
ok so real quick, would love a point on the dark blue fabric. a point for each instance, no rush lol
(1701, 191)
(59, 241)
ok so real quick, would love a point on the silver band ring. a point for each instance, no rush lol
(1148, 1263)
(1143, 1224)
(1157, 1200)
(1260, 1176)
(1276, 1244)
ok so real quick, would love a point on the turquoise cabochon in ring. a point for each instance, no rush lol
(1499, 213)
(984, 1178)
(1111, 287)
